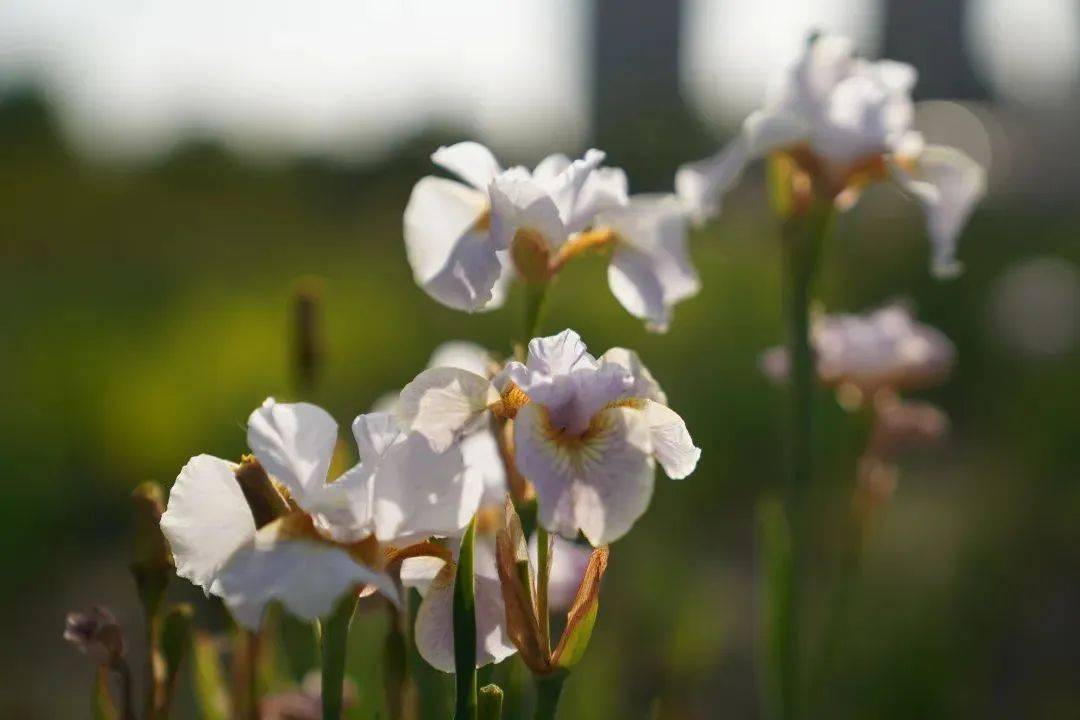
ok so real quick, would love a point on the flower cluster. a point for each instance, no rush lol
(467, 240)
(586, 432)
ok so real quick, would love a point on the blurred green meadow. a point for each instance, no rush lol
(147, 311)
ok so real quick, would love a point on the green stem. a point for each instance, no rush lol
(335, 635)
(543, 578)
(548, 690)
(127, 702)
(396, 670)
(535, 293)
(465, 628)
(803, 237)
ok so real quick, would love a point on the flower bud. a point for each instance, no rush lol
(97, 634)
(152, 563)
(307, 343)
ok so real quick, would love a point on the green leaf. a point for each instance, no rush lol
(175, 642)
(779, 668)
(577, 641)
(465, 628)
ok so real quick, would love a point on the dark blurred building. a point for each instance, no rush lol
(929, 34)
(639, 116)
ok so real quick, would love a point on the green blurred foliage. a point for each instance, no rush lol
(146, 313)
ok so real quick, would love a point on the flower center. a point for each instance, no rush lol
(595, 239)
(530, 254)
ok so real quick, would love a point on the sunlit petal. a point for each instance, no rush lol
(948, 184)
(295, 443)
(305, 576)
(520, 203)
(442, 403)
(434, 632)
(650, 270)
(645, 385)
(464, 355)
(207, 519)
(599, 484)
(671, 443)
(470, 161)
(451, 255)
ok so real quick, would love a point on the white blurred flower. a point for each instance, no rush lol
(846, 121)
(326, 541)
(885, 348)
(587, 432)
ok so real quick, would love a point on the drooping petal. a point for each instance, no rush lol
(434, 632)
(470, 161)
(306, 576)
(645, 385)
(501, 290)
(295, 443)
(671, 443)
(568, 562)
(700, 185)
(443, 403)
(600, 483)
(452, 257)
(520, 203)
(948, 184)
(419, 492)
(650, 270)
(207, 519)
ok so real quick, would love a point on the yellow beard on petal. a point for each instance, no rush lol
(577, 451)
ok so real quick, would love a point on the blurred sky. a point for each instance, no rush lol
(353, 76)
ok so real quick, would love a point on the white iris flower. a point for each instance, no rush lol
(327, 541)
(587, 432)
(846, 121)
